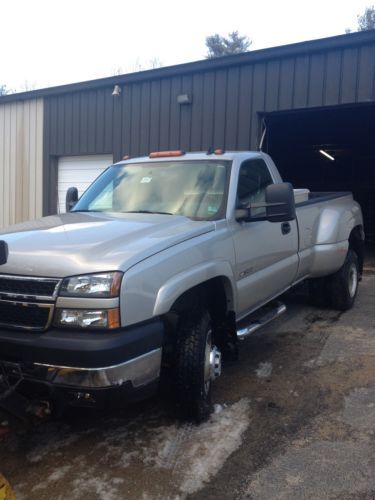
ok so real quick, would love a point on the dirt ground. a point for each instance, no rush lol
(293, 419)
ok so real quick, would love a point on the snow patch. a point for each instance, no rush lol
(191, 454)
(174, 459)
(50, 445)
(264, 370)
(56, 475)
(103, 487)
(211, 444)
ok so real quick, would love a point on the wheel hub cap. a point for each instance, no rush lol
(353, 280)
(215, 363)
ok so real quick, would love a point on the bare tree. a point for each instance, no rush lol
(3, 90)
(367, 20)
(27, 86)
(138, 65)
(219, 46)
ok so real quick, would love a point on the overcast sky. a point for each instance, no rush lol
(52, 42)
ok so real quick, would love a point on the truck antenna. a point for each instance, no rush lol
(263, 134)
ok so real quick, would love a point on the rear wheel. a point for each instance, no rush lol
(198, 364)
(343, 285)
(340, 289)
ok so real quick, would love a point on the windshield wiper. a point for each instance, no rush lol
(72, 211)
(145, 212)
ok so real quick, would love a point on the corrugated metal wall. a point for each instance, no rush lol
(225, 110)
(21, 161)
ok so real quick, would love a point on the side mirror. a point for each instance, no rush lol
(279, 205)
(71, 198)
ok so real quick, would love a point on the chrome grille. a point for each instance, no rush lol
(23, 286)
(27, 303)
(25, 316)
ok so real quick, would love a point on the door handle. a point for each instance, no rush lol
(285, 228)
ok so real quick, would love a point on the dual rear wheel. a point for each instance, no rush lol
(340, 289)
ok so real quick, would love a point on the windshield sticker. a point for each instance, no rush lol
(212, 210)
(146, 180)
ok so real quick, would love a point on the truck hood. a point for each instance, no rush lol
(78, 243)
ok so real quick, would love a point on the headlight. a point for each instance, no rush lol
(88, 318)
(92, 285)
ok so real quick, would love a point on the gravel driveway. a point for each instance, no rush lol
(293, 419)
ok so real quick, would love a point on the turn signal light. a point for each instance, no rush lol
(113, 318)
(162, 154)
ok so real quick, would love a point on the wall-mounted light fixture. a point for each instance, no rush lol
(116, 90)
(324, 153)
(184, 99)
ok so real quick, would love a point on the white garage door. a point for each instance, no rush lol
(78, 171)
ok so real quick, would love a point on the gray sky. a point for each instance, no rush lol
(54, 42)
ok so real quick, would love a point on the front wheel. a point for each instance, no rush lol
(198, 364)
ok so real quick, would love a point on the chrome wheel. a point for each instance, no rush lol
(353, 280)
(212, 362)
(207, 362)
(215, 362)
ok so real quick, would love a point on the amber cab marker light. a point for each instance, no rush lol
(162, 154)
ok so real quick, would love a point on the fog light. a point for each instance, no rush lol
(88, 318)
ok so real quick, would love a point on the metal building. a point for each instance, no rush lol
(311, 96)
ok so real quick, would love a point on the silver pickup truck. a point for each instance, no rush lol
(158, 270)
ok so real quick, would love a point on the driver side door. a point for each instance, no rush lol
(266, 252)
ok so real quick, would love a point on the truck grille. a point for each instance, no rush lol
(24, 286)
(27, 303)
(25, 316)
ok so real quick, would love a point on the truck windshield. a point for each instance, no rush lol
(195, 189)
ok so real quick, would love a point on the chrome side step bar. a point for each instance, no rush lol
(260, 318)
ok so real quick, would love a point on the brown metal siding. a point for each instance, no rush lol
(225, 110)
(21, 161)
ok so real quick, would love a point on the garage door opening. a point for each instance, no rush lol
(80, 172)
(300, 141)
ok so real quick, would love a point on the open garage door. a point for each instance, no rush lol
(80, 172)
(299, 142)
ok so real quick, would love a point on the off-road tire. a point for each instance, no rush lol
(193, 398)
(343, 285)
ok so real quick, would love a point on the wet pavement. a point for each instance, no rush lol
(293, 419)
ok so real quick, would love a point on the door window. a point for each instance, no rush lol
(253, 179)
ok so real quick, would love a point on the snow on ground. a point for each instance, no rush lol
(177, 458)
(264, 370)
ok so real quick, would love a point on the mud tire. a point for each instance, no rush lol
(193, 393)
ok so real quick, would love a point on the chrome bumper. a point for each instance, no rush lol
(139, 371)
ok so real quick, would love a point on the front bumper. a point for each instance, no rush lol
(83, 362)
(139, 371)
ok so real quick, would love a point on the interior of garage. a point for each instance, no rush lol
(300, 141)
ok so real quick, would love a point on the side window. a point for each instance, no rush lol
(253, 179)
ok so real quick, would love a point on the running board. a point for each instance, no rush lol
(259, 318)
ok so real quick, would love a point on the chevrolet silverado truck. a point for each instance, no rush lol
(158, 270)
